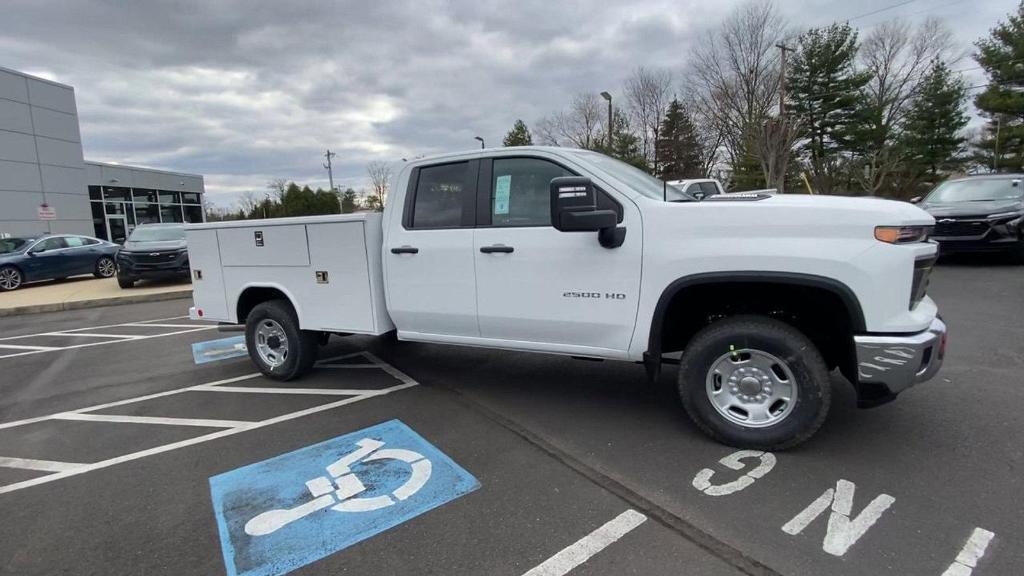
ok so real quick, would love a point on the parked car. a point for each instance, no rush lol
(978, 214)
(29, 259)
(153, 251)
(541, 249)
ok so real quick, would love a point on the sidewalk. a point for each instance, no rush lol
(86, 292)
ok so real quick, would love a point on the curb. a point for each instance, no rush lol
(95, 303)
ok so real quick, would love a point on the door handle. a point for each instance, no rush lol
(405, 250)
(500, 248)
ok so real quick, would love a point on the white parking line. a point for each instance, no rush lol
(581, 551)
(312, 391)
(972, 551)
(87, 328)
(201, 422)
(143, 324)
(121, 338)
(17, 347)
(91, 335)
(41, 465)
(75, 469)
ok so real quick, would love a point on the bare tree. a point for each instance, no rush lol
(380, 183)
(773, 143)
(734, 76)
(248, 201)
(898, 56)
(580, 125)
(648, 92)
(277, 187)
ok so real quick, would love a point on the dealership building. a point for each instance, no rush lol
(47, 186)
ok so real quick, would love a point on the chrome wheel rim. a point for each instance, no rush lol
(751, 388)
(271, 343)
(10, 278)
(106, 267)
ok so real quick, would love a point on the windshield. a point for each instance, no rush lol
(632, 176)
(157, 234)
(976, 190)
(13, 244)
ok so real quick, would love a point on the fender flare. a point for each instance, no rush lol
(652, 357)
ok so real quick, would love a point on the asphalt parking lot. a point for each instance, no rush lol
(110, 435)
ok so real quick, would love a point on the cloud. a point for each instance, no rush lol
(245, 92)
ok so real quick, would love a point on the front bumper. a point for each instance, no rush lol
(888, 365)
(152, 265)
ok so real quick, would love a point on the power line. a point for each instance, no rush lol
(880, 10)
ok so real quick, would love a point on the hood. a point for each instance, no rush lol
(980, 208)
(153, 246)
(822, 209)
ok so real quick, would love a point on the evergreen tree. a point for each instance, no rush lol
(349, 201)
(677, 145)
(1002, 102)
(519, 135)
(823, 89)
(932, 135)
(625, 143)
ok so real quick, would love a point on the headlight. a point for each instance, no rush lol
(902, 234)
(1006, 215)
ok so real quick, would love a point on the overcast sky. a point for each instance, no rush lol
(244, 92)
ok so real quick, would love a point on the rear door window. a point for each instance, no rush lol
(440, 196)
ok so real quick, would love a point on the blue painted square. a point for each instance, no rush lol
(221, 349)
(283, 513)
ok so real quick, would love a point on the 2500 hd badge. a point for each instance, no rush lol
(606, 295)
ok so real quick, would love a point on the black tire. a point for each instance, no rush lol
(784, 342)
(105, 267)
(300, 356)
(125, 283)
(11, 278)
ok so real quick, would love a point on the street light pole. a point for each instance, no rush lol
(481, 141)
(608, 97)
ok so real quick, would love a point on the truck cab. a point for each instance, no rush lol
(755, 297)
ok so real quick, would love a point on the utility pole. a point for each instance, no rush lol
(995, 152)
(782, 78)
(330, 171)
(330, 176)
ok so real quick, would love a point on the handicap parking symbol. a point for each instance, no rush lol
(280, 514)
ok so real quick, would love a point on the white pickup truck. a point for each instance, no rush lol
(571, 252)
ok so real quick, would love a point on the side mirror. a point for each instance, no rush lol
(915, 199)
(574, 209)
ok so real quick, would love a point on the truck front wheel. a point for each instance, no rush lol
(754, 382)
(275, 343)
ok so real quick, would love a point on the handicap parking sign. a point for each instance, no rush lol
(283, 513)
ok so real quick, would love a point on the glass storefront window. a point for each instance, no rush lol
(147, 213)
(193, 213)
(168, 197)
(190, 197)
(144, 195)
(171, 213)
(116, 193)
(115, 207)
(99, 220)
(94, 193)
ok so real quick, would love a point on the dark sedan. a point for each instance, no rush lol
(29, 259)
(979, 214)
(153, 251)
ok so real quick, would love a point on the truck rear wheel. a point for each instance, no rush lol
(754, 382)
(275, 343)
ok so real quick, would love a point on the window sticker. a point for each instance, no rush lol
(502, 186)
